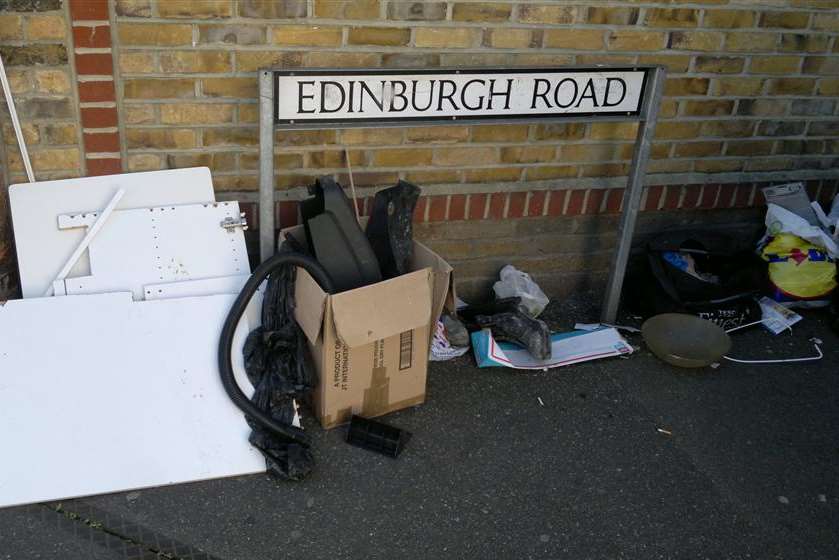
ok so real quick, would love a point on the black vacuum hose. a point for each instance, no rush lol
(225, 347)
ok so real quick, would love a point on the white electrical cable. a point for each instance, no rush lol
(744, 326)
(781, 361)
(7, 92)
(789, 328)
(815, 341)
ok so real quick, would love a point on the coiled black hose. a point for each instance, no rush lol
(225, 347)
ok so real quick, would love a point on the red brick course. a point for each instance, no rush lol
(95, 74)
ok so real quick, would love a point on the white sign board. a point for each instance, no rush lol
(347, 96)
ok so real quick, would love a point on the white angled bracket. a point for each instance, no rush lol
(88, 238)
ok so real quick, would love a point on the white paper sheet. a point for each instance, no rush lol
(566, 349)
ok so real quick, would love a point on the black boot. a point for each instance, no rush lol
(390, 229)
(520, 328)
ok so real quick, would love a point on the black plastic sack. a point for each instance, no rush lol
(279, 366)
(729, 301)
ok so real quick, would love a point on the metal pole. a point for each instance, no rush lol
(266, 164)
(632, 194)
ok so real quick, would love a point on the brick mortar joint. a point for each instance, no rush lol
(662, 181)
(736, 197)
(639, 25)
(701, 10)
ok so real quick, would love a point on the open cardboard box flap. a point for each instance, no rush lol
(352, 311)
(443, 294)
(309, 305)
(370, 344)
(383, 309)
(365, 314)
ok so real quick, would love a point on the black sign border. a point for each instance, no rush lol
(452, 119)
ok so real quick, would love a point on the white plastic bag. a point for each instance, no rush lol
(441, 349)
(833, 217)
(781, 220)
(515, 283)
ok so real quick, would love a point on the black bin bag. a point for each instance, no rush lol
(704, 273)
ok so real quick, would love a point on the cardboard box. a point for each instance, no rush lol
(370, 345)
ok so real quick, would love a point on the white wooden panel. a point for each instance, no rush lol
(70, 221)
(163, 245)
(210, 286)
(58, 288)
(89, 236)
(42, 248)
(124, 395)
(202, 287)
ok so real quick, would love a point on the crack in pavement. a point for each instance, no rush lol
(114, 533)
(97, 526)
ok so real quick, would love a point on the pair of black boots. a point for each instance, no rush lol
(508, 321)
(352, 257)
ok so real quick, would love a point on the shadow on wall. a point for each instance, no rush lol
(564, 255)
(8, 266)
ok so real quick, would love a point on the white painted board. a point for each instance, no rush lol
(210, 286)
(58, 288)
(191, 288)
(42, 249)
(89, 236)
(163, 245)
(99, 393)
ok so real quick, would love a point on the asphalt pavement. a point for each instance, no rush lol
(622, 458)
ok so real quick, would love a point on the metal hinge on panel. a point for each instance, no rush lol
(230, 223)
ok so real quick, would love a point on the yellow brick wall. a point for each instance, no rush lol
(753, 86)
(35, 46)
(752, 97)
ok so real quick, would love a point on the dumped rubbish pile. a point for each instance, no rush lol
(369, 336)
(695, 288)
(700, 286)
(506, 331)
(109, 360)
(325, 325)
(160, 337)
(158, 331)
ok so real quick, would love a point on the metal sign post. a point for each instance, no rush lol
(313, 99)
